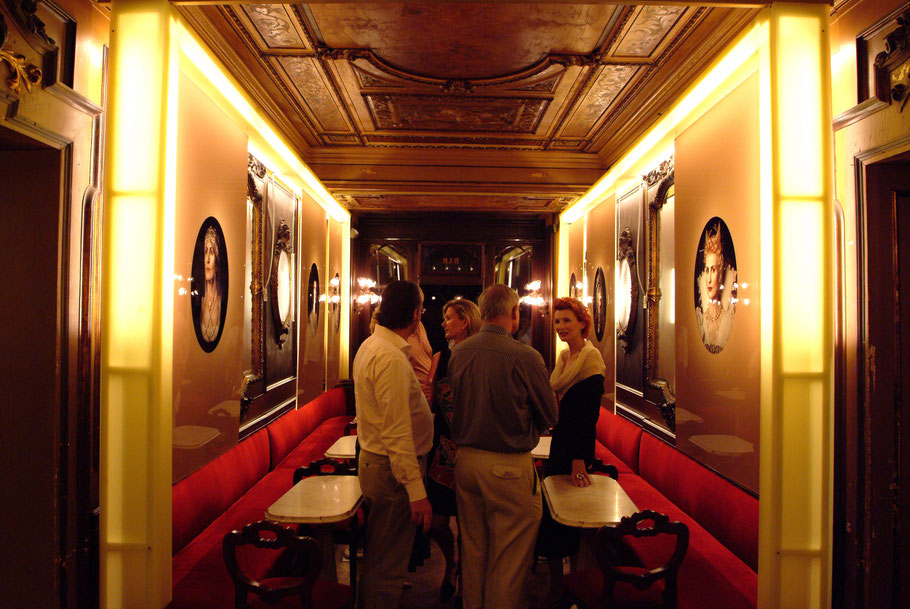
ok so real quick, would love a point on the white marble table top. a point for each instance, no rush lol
(602, 503)
(318, 499)
(344, 447)
(193, 436)
(721, 444)
(542, 450)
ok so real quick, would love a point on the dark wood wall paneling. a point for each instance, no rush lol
(52, 146)
(493, 231)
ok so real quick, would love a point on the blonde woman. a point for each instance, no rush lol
(461, 319)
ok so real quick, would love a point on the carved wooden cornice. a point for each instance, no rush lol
(23, 11)
(889, 74)
(20, 70)
(659, 173)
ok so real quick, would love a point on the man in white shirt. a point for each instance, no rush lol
(395, 432)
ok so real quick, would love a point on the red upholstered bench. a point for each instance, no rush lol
(720, 567)
(236, 489)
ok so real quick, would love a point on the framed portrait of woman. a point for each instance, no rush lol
(715, 285)
(209, 284)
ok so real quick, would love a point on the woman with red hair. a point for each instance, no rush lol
(578, 380)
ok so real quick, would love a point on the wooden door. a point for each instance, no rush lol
(876, 488)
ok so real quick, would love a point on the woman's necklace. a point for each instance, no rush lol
(714, 311)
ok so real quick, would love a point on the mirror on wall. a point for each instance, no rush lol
(281, 283)
(390, 264)
(660, 376)
(512, 267)
(626, 290)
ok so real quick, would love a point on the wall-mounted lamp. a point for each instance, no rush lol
(366, 296)
(534, 298)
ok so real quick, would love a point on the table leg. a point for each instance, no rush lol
(324, 535)
(352, 551)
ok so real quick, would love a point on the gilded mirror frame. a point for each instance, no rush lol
(282, 245)
(661, 393)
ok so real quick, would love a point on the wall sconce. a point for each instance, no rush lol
(366, 296)
(534, 299)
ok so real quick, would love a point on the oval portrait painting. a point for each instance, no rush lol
(313, 300)
(599, 304)
(715, 285)
(209, 284)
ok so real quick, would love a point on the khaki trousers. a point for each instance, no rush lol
(389, 533)
(499, 514)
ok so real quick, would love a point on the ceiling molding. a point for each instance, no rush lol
(455, 157)
(463, 99)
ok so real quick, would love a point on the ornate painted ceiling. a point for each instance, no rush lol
(499, 106)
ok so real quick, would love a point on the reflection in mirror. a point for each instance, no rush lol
(626, 290)
(313, 300)
(281, 286)
(284, 285)
(391, 264)
(512, 267)
(666, 364)
(623, 295)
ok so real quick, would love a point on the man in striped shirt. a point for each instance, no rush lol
(503, 400)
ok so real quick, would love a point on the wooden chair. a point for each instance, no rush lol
(325, 467)
(304, 564)
(599, 467)
(643, 586)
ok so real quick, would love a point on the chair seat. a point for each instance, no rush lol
(587, 587)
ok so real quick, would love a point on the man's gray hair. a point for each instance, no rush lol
(496, 300)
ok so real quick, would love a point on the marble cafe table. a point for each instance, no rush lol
(321, 500)
(344, 447)
(602, 503)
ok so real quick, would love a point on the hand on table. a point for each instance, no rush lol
(579, 475)
(422, 513)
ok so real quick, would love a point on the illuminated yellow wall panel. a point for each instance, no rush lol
(137, 311)
(797, 356)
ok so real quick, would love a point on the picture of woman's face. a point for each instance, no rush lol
(713, 274)
(211, 266)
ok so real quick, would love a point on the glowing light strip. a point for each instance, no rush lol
(722, 70)
(211, 69)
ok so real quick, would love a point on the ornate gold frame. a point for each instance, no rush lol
(256, 173)
(627, 252)
(282, 244)
(667, 400)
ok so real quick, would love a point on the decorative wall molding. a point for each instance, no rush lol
(20, 70)
(892, 66)
(659, 173)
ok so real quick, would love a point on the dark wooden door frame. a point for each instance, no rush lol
(857, 470)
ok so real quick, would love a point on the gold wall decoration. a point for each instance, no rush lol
(19, 69)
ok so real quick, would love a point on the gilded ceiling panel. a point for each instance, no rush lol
(610, 82)
(455, 113)
(274, 24)
(647, 30)
(459, 202)
(307, 78)
(463, 40)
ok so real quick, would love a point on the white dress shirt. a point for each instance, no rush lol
(393, 418)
